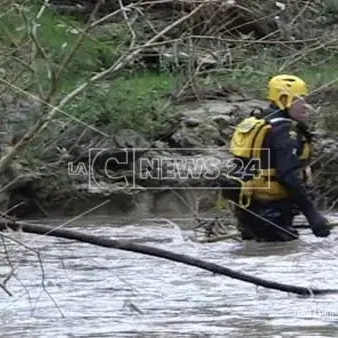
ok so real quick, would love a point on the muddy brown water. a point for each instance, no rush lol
(100, 292)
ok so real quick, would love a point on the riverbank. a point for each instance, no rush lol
(102, 143)
(127, 175)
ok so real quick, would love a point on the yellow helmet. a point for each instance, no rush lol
(288, 85)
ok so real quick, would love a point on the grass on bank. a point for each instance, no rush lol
(134, 99)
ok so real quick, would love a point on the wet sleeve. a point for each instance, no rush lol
(287, 163)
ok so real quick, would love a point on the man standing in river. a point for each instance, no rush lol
(266, 205)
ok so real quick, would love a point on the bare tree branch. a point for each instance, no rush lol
(156, 252)
(41, 267)
(42, 123)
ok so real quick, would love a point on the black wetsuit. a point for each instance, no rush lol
(272, 220)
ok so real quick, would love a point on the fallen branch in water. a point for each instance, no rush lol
(213, 239)
(156, 252)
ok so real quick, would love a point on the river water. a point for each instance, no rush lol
(90, 291)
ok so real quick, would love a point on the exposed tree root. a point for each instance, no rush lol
(156, 252)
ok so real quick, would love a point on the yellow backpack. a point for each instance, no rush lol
(247, 143)
(248, 138)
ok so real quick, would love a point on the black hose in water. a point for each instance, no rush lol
(156, 252)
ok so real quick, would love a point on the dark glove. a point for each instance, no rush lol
(319, 225)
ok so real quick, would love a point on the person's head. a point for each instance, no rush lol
(288, 93)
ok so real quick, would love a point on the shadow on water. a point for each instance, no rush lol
(109, 293)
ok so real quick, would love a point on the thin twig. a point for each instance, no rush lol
(42, 123)
(12, 273)
(125, 16)
(70, 56)
(41, 267)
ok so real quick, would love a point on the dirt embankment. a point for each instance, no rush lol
(124, 174)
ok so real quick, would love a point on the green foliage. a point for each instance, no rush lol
(330, 7)
(135, 99)
(57, 35)
(131, 101)
(322, 74)
(252, 74)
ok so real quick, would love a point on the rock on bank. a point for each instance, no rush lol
(126, 175)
